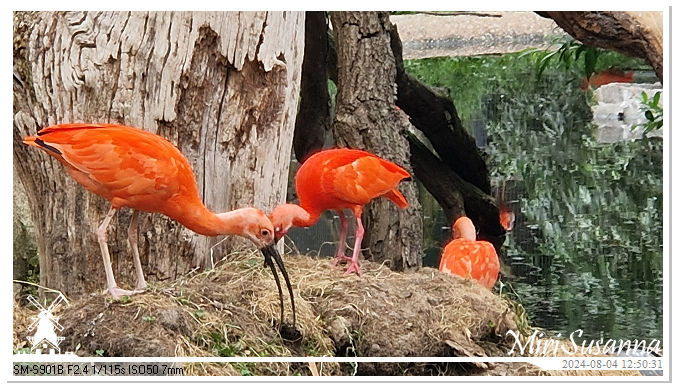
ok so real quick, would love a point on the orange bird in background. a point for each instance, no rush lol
(339, 179)
(506, 216)
(606, 77)
(469, 258)
(137, 169)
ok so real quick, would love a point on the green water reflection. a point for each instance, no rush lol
(586, 251)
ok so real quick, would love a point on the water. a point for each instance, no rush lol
(586, 250)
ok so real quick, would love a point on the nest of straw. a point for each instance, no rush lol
(233, 310)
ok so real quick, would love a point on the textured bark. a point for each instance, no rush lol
(313, 119)
(635, 34)
(222, 87)
(437, 118)
(366, 119)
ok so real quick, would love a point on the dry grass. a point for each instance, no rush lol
(232, 311)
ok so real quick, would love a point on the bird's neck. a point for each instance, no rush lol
(197, 218)
(302, 217)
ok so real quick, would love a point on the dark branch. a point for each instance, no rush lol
(313, 118)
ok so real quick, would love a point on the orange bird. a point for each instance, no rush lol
(606, 77)
(339, 179)
(469, 258)
(137, 169)
(506, 216)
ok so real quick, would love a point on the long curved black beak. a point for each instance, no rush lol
(269, 252)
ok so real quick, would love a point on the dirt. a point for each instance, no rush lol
(232, 311)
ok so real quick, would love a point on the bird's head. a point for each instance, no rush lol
(250, 223)
(285, 216)
(464, 228)
(257, 227)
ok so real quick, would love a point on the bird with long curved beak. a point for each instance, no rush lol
(136, 169)
(339, 179)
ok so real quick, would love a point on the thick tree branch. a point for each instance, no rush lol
(456, 196)
(437, 118)
(635, 34)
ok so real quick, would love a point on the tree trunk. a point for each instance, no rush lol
(456, 152)
(313, 119)
(366, 118)
(635, 34)
(222, 87)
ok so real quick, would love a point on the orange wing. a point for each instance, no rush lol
(471, 259)
(127, 166)
(343, 178)
(365, 179)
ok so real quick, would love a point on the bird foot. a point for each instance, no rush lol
(340, 260)
(353, 268)
(140, 287)
(117, 292)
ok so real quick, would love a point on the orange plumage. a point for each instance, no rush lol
(137, 169)
(127, 166)
(339, 179)
(469, 258)
(606, 77)
(506, 216)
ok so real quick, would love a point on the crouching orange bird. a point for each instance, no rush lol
(469, 258)
(339, 179)
(137, 169)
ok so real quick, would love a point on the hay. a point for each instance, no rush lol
(233, 311)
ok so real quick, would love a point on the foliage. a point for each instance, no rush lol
(652, 111)
(588, 251)
(585, 60)
(25, 256)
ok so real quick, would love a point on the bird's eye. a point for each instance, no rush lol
(265, 232)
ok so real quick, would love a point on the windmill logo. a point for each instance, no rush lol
(45, 339)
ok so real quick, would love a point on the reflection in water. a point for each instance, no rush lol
(586, 250)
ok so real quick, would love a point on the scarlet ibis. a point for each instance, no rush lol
(339, 179)
(506, 216)
(606, 77)
(469, 258)
(139, 170)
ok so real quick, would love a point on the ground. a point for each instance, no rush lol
(233, 311)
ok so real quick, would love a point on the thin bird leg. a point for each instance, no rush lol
(132, 238)
(354, 267)
(111, 285)
(341, 245)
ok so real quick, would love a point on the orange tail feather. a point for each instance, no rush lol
(397, 198)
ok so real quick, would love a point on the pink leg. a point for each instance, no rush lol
(111, 286)
(354, 267)
(132, 238)
(341, 245)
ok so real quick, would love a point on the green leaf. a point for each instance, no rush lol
(649, 115)
(590, 61)
(656, 98)
(99, 352)
(579, 51)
